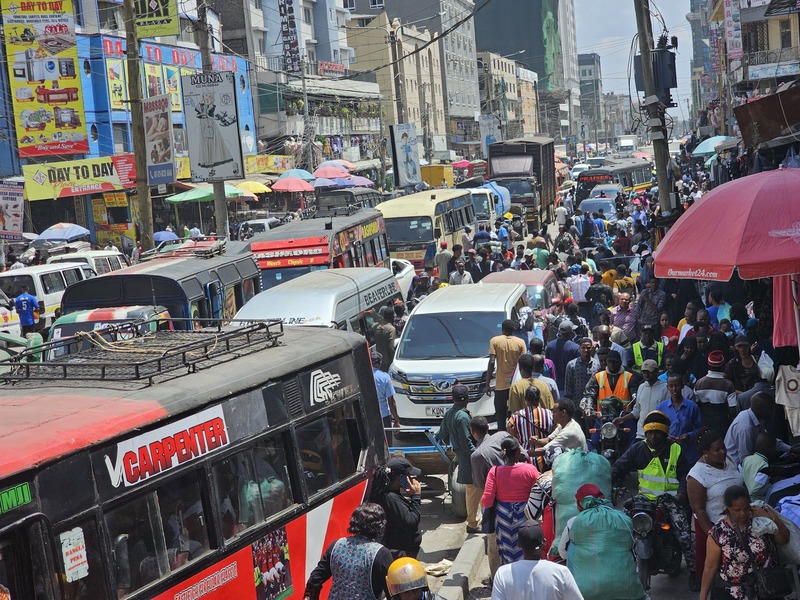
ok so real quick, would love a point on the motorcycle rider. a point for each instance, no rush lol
(609, 385)
(662, 469)
(406, 580)
(647, 348)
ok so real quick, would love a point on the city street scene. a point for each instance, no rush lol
(399, 299)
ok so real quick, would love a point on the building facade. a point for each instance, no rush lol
(499, 90)
(617, 119)
(90, 179)
(459, 72)
(527, 107)
(412, 85)
(591, 78)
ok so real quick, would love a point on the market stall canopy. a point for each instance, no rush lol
(64, 232)
(757, 220)
(254, 187)
(462, 164)
(331, 173)
(295, 174)
(292, 184)
(338, 163)
(202, 194)
(343, 183)
(322, 182)
(729, 144)
(706, 147)
(164, 236)
(359, 181)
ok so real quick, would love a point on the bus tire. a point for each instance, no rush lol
(458, 491)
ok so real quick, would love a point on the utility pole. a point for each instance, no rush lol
(308, 131)
(220, 203)
(398, 84)
(382, 153)
(655, 111)
(137, 127)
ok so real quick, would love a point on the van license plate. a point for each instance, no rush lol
(435, 411)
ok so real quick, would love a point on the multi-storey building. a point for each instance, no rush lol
(457, 50)
(591, 90)
(498, 87)
(527, 107)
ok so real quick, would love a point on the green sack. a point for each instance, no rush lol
(570, 471)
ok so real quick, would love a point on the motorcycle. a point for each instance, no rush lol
(605, 437)
(656, 544)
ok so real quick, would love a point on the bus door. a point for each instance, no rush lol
(215, 295)
(28, 559)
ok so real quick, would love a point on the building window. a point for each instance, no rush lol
(307, 16)
(786, 33)
(312, 56)
(121, 144)
(110, 16)
(350, 4)
(376, 3)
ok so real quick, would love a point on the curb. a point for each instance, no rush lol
(464, 570)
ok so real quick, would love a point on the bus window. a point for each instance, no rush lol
(252, 486)
(11, 565)
(90, 581)
(326, 449)
(157, 533)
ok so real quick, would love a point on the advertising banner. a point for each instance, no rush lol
(733, 29)
(268, 163)
(572, 145)
(715, 34)
(117, 84)
(156, 18)
(490, 132)
(79, 177)
(212, 128)
(291, 42)
(172, 78)
(46, 91)
(405, 154)
(12, 206)
(158, 139)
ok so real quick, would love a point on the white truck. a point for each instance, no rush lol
(627, 144)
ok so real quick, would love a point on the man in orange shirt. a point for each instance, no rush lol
(504, 352)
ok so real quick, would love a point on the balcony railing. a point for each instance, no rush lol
(321, 69)
(770, 57)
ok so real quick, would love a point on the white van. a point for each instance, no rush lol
(47, 283)
(446, 341)
(348, 298)
(101, 261)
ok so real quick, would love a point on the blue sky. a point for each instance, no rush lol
(612, 40)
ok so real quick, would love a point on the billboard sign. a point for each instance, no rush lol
(405, 154)
(291, 41)
(212, 126)
(156, 18)
(572, 145)
(44, 74)
(490, 132)
(158, 139)
(12, 206)
(733, 29)
(79, 177)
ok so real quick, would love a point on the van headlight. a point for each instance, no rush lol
(398, 376)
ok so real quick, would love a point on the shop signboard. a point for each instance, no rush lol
(43, 69)
(787, 69)
(405, 154)
(212, 126)
(158, 143)
(572, 145)
(79, 177)
(733, 29)
(156, 18)
(12, 207)
(268, 163)
(117, 83)
(291, 41)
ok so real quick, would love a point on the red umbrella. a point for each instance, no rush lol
(292, 184)
(751, 224)
(331, 173)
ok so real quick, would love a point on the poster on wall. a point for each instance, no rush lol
(405, 154)
(212, 126)
(490, 132)
(154, 80)
(117, 84)
(733, 29)
(46, 90)
(291, 41)
(172, 80)
(158, 139)
(12, 207)
(156, 18)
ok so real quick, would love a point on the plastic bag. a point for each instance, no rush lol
(570, 471)
(767, 367)
(792, 160)
(763, 525)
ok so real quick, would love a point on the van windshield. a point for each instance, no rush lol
(409, 229)
(12, 285)
(453, 335)
(480, 203)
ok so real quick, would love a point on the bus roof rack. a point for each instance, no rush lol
(143, 356)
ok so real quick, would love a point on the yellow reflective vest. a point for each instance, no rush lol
(655, 481)
(638, 359)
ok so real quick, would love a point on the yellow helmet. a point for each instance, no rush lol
(405, 574)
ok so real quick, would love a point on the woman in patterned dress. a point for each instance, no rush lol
(735, 552)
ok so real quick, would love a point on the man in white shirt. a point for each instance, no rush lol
(649, 395)
(562, 214)
(460, 276)
(533, 578)
(568, 434)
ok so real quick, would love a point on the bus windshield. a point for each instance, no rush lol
(519, 187)
(449, 336)
(409, 229)
(272, 277)
(480, 203)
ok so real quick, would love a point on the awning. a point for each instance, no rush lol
(363, 165)
(265, 179)
(727, 145)
(781, 7)
(340, 88)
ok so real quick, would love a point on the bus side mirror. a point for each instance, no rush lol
(123, 563)
(437, 233)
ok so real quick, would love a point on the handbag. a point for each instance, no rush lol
(771, 583)
(489, 514)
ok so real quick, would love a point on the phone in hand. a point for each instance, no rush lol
(404, 482)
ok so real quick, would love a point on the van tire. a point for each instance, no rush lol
(458, 491)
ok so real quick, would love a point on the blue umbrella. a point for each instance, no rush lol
(342, 182)
(321, 182)
(706, 147)
(297, 174)
(64, 232)
(164, 236)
